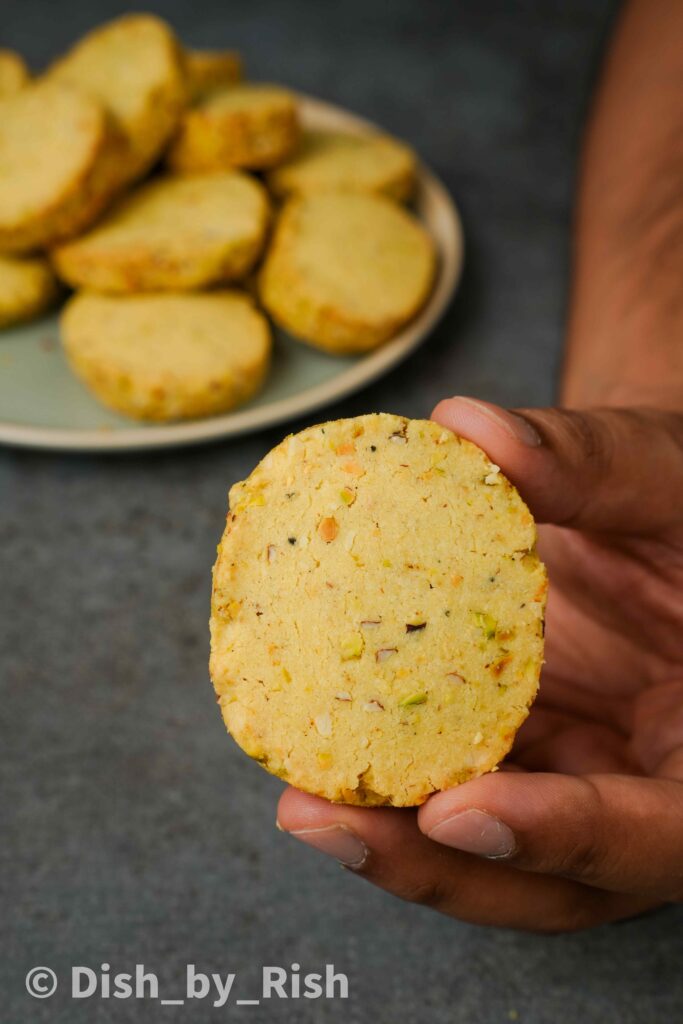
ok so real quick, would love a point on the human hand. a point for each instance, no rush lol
(584, 824)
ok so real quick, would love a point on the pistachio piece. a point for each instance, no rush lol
(343, 695)
(370, 623)
(385, 653)
(352, 646)
(412, 699)
(487, 624)
(413, 627)
(271, 552)
(347, 495)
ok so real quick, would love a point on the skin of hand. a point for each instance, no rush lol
(626, 305)
(584, 824)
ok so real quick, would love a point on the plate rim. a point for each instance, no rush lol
(361, 373)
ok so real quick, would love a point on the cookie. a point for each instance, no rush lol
(346, 271)
(357, 163)
(57, 160)
(134, 67)
(252, 126)
(377, 611)
(206, 70)
(172, 234)
(27, 288)
(14, 74)
(167, 357)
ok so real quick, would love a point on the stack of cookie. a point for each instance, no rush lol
(186, 208)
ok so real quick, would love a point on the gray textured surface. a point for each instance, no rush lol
(133, 829)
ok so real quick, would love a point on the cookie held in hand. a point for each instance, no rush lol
(377, 612)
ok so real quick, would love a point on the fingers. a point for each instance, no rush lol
(616, 832)
(657, 740)
(386, 848)
(608, 469)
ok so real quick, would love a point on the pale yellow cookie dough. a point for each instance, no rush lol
(173, 234)
(252, 126)
(377, 611)
(346, 271)
(357, 163)
(14, 74)
(206, 70)
(27, 288)
(134, 67)
(167, 357)
(56, 158)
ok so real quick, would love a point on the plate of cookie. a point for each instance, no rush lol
(208, 256)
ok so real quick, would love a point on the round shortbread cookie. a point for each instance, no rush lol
(56, 158)
(27, 288)
(357, 163)
(14, 74)
(167, 357)
(252, 126)
(206, 70)
(134, 67)
(346, 271)
(172, 234)
(377, 611)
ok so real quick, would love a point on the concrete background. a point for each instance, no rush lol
(133, 829)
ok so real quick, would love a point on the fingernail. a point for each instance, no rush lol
(337, 841)
(514, 424)
(475, 831)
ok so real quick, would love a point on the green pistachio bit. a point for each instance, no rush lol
(412, 699)
(487, 624)
(351, 646)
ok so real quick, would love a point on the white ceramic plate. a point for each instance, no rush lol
(42, 405)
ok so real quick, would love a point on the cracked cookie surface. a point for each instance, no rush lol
(377, 611)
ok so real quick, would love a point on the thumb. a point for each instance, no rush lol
(617, 832)
(616, 470)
